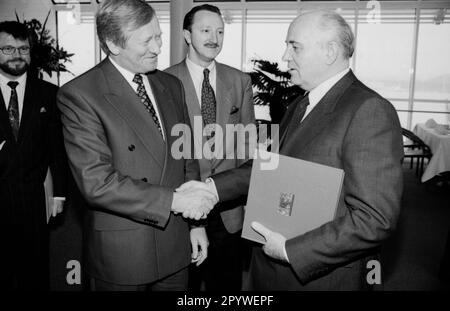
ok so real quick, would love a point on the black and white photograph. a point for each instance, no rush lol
(131, 132)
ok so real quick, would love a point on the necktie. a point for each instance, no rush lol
(299, 111)
(302, 105)
(208, 100)
(13, 109)
(146, 100)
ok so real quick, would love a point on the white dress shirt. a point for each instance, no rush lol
(196, 73)
(316, 94)
(20, 89)
(129, 76)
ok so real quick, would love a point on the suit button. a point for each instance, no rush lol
(213, 171)
(131, 147)
(144, 179)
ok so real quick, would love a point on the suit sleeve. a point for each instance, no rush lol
(57, 154)
(371, 155)
(234, 183)
(247, 116)
(91, 162)
(191, 165)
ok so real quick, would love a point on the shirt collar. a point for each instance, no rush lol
(197, 69)
(128, 75)
(319, 92)
(22, 79)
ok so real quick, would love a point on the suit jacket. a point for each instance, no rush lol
(126, 173)
(234, 102)
(355, 129)
(23, 167)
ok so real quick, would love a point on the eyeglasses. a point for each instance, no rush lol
(9, 50)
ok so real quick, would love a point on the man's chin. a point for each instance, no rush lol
(14, 70)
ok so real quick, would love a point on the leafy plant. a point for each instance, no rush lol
(273, 88)
(46, 55)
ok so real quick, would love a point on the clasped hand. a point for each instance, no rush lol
(194, 200)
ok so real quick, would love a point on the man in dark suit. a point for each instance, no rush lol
(117, 122)
(30, 143)
(340, 123)
(231, 104)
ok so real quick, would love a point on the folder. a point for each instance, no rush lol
(295, 197)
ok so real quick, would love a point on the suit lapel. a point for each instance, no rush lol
(5, 127)
(29, 109)
(315, 122)
(126, 102)
(223, 95)
(192, 102)
(288, 117)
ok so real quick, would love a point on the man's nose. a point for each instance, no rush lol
(16, 52)
(213, 37)
(155, 47)
(286, 56)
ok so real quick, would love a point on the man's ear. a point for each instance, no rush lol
(114, 49)
(187, 36)
(332, 50)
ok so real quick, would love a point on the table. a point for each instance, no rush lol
(440, 147)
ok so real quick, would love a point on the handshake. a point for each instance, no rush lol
(194, 199)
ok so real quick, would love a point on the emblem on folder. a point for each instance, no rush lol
(286, 203)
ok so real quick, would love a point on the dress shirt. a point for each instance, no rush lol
(316, 94)
(196, 73)
(129, 76)
(20, 89)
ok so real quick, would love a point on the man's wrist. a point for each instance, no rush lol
(212, 187)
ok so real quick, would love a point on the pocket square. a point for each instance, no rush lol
(234, 109)
(43, 110)
(1, 144)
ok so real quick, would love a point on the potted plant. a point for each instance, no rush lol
(273, 88)
(46, 55)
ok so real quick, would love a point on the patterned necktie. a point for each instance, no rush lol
(13, 109)
(146, 100)
(208, 100)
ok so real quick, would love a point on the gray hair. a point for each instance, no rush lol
(116, 17)
(331, 20)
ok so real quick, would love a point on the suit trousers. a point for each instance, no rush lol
(24, 237)
(222, 270)
(177, 281)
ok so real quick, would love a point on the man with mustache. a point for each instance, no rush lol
(117, 121)
(30, 143)
(221, 95)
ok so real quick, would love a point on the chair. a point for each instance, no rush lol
(415, 149)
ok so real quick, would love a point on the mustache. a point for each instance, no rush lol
(15, 60)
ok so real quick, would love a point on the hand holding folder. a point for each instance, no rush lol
(292, 198)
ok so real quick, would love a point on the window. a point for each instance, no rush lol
(266, 36)
(232, 43)
(384, 53)
(71, 31)
(432, 86)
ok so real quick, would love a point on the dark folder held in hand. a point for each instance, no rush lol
(292, 198)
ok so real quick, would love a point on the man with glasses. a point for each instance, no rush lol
(30, 143)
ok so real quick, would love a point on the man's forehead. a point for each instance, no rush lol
(149, 29)
(204, 17)
(6, 38)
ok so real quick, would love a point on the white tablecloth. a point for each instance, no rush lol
(440, 147)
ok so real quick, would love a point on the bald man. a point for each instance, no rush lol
(340, 123)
